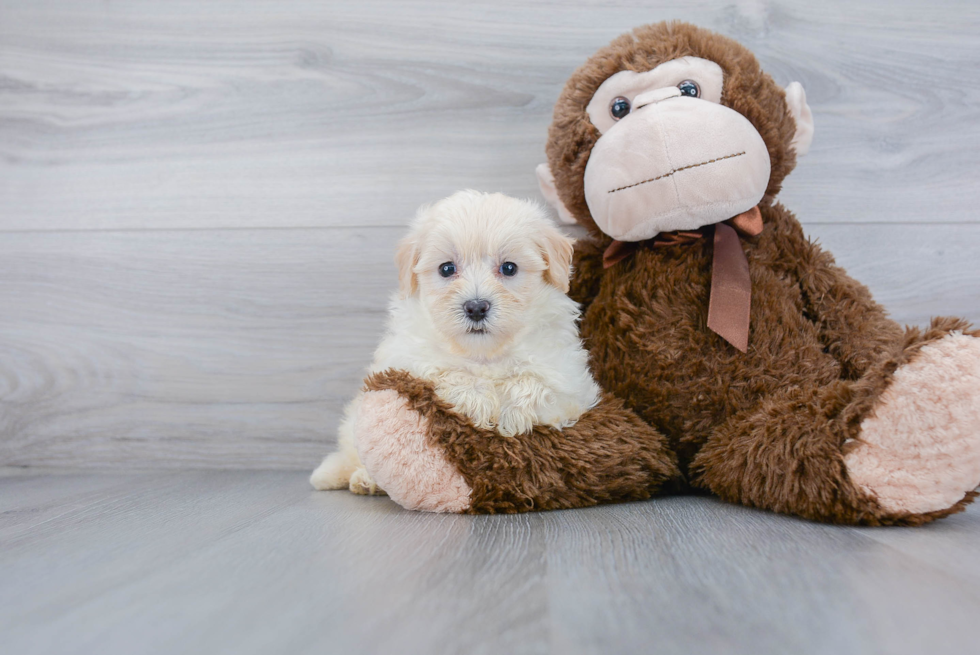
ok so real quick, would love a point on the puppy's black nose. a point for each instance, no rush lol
(476, 310)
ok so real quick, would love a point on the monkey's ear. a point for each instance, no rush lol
(557, 250)
(796, 102)
(406, 258)
(547, 183)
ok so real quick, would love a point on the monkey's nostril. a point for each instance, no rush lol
(476, 310)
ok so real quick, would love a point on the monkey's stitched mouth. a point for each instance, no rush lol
(677, 170)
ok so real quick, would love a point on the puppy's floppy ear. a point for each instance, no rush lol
(406, 258)
(557, 251)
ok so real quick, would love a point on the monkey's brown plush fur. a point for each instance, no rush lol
(769, 428)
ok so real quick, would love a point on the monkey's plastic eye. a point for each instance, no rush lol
(690, 88)
(447, 270)
(509, 269)
(619, 107)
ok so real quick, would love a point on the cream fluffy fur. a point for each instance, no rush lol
(523, 365)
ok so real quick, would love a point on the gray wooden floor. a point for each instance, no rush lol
(254, 562)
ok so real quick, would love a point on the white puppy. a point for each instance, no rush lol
(482, 314)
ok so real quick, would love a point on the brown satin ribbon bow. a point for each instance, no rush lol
(730, 301)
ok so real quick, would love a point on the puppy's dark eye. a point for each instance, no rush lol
(619, 107)
(509, 269)
(690, 89)
(447, 270)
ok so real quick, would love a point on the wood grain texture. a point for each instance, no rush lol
(259, 114)
(199, 201)
(207, 348)
(254, 562)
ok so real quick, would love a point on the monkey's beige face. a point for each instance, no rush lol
(482, 262)
(670, 157)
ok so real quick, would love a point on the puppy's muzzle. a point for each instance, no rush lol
(476, 310)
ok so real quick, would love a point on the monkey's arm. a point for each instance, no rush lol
(586, 272)
(428, 457)
(853, 328)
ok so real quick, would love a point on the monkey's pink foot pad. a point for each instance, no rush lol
(393, 444)
(920, 450)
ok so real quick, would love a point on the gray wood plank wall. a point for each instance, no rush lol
(199, 201)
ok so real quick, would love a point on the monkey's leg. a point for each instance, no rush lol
(918, 451)
(427, 457)
(901, 445)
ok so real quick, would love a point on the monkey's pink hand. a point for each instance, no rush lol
(393, 443)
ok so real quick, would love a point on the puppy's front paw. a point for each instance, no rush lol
(515, 421)
(481, 410)
(362, 484)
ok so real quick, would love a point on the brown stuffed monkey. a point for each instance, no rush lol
(736, 357)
